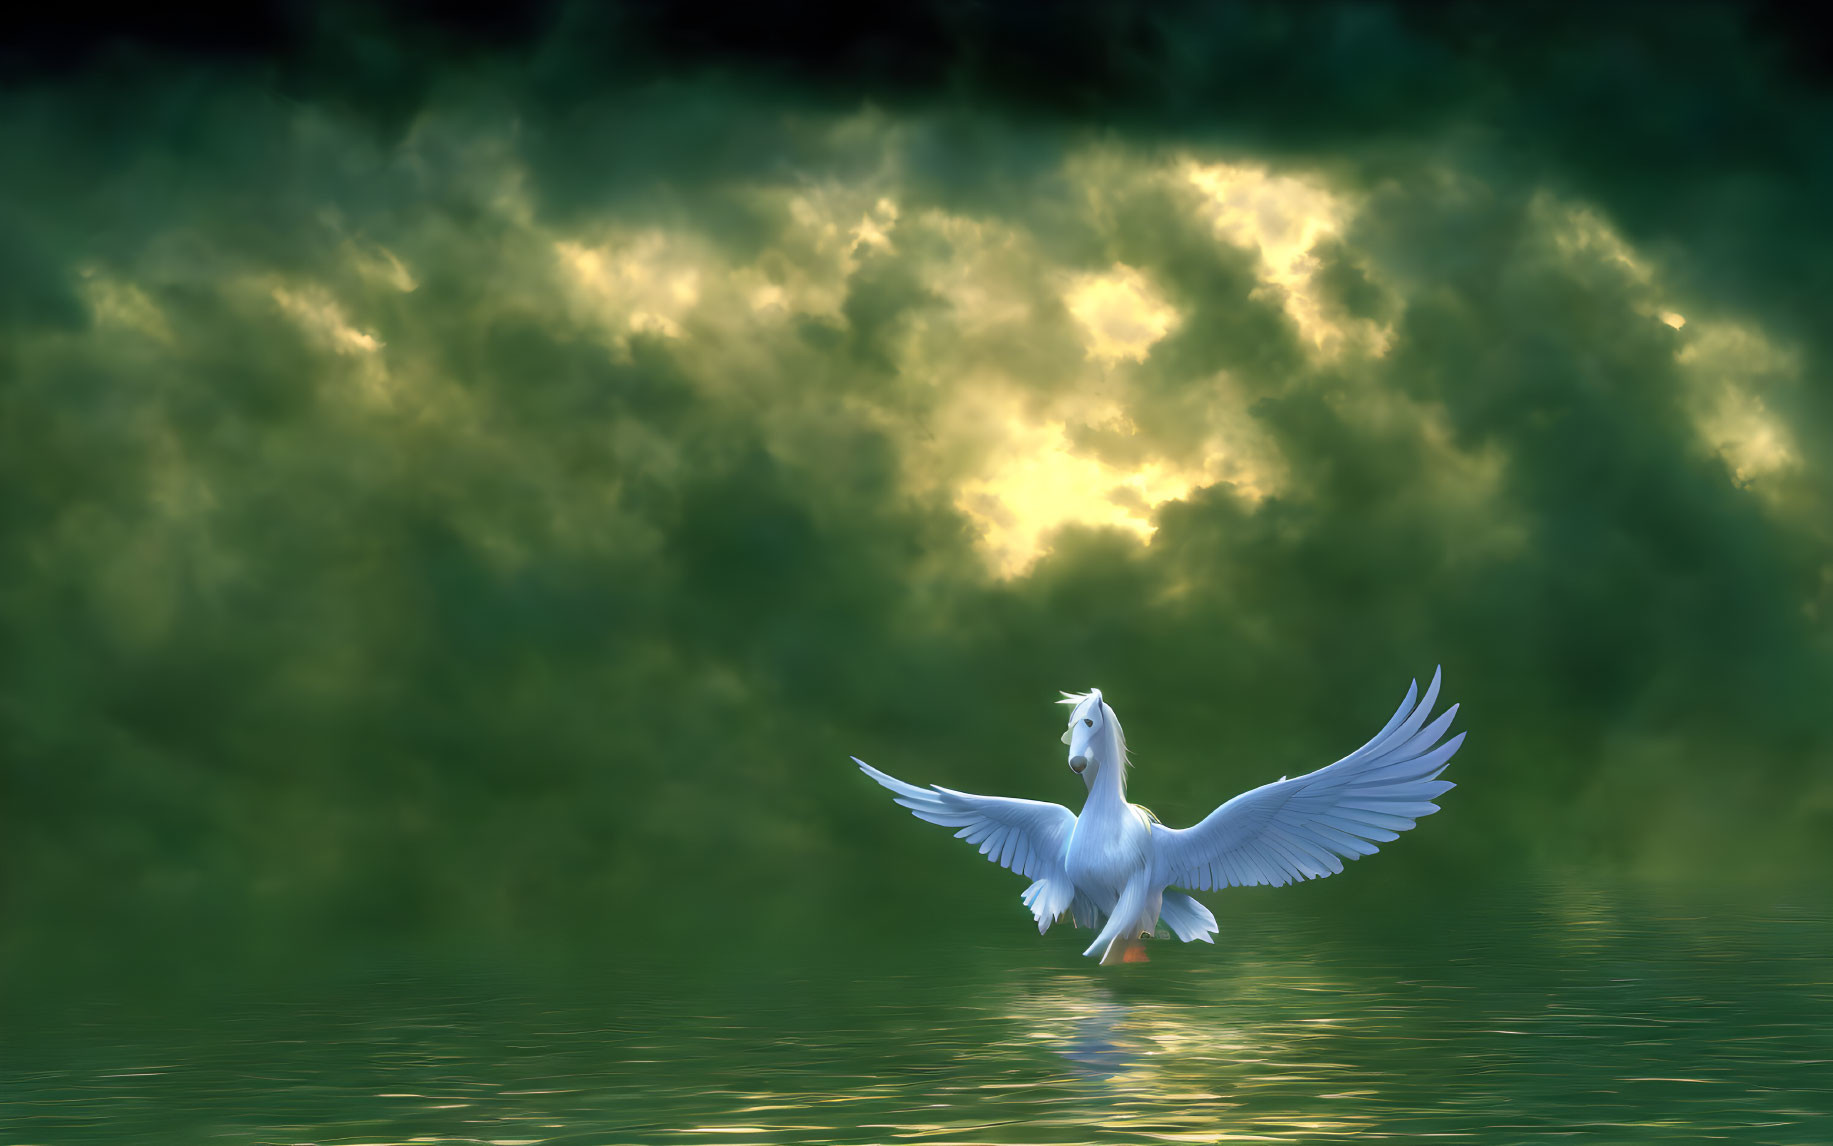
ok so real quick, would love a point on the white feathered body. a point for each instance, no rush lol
(1113, 866)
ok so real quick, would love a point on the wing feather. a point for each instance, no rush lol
(1306, 826)
(1029, 837)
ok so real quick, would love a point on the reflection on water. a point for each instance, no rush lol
(1581, 1018)
(1096, 1045)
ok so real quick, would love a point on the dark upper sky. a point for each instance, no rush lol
(465, 477)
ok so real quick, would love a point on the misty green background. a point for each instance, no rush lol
(366, 582)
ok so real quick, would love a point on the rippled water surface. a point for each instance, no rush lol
(1575, 1018)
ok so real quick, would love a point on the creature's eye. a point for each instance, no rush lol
(1087, 721)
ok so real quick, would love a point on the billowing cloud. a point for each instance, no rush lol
(503, 498)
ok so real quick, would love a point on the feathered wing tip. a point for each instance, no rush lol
(1048, 900)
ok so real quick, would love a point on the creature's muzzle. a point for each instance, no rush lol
(1077, 764)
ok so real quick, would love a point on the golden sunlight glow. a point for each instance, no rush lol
(1025, 408)
(1045, 485)
(1121, 313)
(640, 284)
(874, 225)
(1038, 482)
(1284, 217)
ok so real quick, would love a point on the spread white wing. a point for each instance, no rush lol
(1303, 828)
(1029, 837)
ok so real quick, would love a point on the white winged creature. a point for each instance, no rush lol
(1114, 865)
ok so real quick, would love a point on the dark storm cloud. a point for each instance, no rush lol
(479, 492)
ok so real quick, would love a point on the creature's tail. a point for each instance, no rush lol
(1115, 938)
(1187, 919)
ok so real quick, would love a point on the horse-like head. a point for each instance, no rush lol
(1094, 737)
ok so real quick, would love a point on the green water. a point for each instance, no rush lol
(1575, 1016)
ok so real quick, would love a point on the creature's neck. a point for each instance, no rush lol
(1109, 787)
